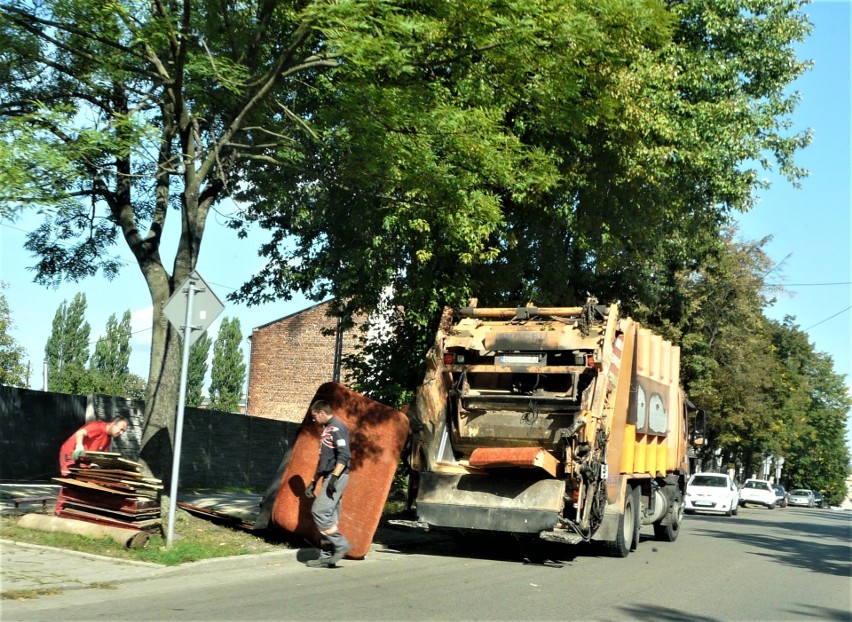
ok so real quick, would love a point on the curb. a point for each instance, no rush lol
(84, 555)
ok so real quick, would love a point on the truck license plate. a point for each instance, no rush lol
(520, 359)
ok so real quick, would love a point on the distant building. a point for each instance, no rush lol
(290, 358)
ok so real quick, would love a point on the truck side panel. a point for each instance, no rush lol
(655, 410)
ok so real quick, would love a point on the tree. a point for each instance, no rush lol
(813, 405)
(197, 370)
(715, 312)
(228, 372)
(14, 369)
(149, 107)
(541, 147)
(109, 367)
(67, 348)
(611, 141)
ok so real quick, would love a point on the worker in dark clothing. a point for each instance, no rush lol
(333, 468)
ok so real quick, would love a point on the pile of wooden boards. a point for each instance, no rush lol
(109, 489)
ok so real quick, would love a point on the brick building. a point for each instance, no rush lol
(290, 358)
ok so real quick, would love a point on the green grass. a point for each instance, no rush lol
(195, 539)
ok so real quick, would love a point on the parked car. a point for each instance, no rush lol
(758, 491)
(819, 499)
(802, 497)
(711, 492)
(780, 495)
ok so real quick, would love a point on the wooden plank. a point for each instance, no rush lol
(110, 501)
(142, 484)
(111, 459)
(130, 516)
(217, 517)
(114, 473)
(105, 520)
(115, 485)
(67, 481)
(142, 488)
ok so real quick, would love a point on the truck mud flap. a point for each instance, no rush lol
(489, 503)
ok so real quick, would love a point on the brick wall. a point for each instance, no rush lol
(289, 359)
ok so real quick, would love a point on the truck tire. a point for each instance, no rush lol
(626, 532)
(637, 523)
(669, 533)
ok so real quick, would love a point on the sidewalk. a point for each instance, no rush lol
(28, 570)
(43, 570)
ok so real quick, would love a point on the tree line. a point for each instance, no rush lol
(72, 370)
(410, 155)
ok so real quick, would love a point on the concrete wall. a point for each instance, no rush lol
(219, 450)
(33, 425)
(224, 450)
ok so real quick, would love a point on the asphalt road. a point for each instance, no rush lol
(782, 564)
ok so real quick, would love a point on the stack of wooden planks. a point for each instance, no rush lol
(109, 489)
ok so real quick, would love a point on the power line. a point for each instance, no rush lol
(807, 284)
(826, 319)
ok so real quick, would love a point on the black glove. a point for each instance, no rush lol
(332, 485)
(309, 489)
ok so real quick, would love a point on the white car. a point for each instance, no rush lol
(711, 492)
(758, 491)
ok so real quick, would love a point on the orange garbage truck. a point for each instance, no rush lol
(567, 423)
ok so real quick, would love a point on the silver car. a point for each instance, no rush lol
(802, 497)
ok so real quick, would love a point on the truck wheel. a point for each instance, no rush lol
(669, 533)
(637, 522)
(621, 546)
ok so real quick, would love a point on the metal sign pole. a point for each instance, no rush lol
(187, 331)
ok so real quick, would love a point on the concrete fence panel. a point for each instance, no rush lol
(218, 450)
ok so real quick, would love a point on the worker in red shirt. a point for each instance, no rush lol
(94, 436)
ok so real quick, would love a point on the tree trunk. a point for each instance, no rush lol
(162, 392)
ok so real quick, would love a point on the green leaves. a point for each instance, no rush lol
(228, 371)
(14, 368)
(197, 370)
(409, 154)
(67, 348)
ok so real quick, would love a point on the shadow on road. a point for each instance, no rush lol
(654, 612)
(819, 547)
(486, 546)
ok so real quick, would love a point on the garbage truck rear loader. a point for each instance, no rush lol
(563, 422)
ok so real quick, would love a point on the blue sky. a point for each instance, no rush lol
(810, 226)
(811, 231)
